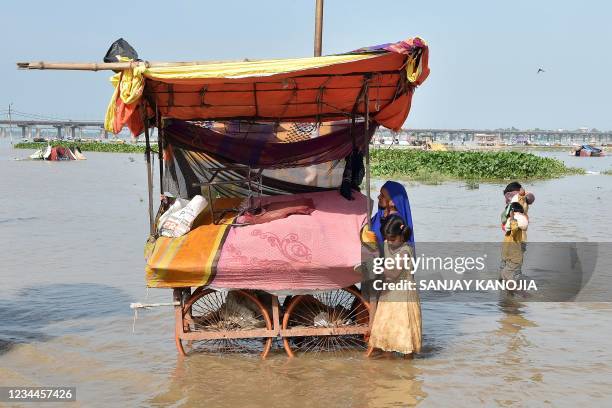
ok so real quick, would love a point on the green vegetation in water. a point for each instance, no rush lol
(89, 146)
(607, 172)
(428, 166)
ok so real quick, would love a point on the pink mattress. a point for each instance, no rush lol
(316, 251)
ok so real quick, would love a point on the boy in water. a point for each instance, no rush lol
(515, 227)
(515, 193)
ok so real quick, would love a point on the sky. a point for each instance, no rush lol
(484, 54)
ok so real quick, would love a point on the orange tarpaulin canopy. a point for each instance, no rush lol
(295, 90)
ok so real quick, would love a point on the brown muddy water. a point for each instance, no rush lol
(72, 237)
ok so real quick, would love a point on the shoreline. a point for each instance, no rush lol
(131, 147)
(90, 146)
(410, 164)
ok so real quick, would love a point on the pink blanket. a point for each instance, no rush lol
(316, 251)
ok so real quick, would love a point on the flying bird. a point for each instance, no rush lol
(540, 70)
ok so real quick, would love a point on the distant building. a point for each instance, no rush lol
(487, 139)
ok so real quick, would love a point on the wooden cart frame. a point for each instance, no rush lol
(343, 313)
(276, 320)
(277, 323)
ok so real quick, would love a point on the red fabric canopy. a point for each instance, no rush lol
(332, 92)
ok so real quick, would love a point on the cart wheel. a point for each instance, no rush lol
(339, 308)
(212, 311)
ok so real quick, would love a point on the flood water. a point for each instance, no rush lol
(72, 236)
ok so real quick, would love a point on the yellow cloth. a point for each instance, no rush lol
(109, 118)
(368, 238)
(413, 70)
(242, 69)
(397, 322)
(512, 249)
(129, 85)
(189, 260)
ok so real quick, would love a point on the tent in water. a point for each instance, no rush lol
(588, 151)
(58, 153)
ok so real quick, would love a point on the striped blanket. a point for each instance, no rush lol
(300, 252)
(190, 260)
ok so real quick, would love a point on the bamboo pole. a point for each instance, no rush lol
(367, 151)
(79, 66)
(113, 66)
(160, 148)
(368, 285)
(318, 38)
(148, 163)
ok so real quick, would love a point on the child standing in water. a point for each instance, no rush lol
(397, 321)
(515, 193)
(512, 247)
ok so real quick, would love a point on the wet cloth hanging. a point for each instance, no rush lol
(262, 148)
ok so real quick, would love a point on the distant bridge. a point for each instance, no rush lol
(513, 136)
(75, 127)
(69, 127)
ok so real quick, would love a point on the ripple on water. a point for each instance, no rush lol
(56, 329)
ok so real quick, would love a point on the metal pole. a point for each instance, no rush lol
(367, 151)
(318, 38)
(10, 123)
(149, 172)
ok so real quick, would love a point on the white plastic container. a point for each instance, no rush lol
(177, 221)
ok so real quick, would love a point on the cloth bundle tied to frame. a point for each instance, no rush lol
(123, 108)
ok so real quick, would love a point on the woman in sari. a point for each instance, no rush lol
(397, 321)
(392, 199)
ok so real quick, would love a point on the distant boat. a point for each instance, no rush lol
(587, 151)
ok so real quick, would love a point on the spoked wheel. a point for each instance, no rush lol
(215, 315)
(344, 311)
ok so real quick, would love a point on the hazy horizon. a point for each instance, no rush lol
(484, 56)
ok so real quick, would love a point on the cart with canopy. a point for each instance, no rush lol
(256, 138)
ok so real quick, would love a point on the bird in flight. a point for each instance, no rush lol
(540, 70)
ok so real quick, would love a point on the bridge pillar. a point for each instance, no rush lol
(37, 132)
(25, 131)
(59, 131)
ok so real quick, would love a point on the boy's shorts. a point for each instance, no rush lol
(510, 270)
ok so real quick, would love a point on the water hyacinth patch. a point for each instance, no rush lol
(90, 146)
(466, 165)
